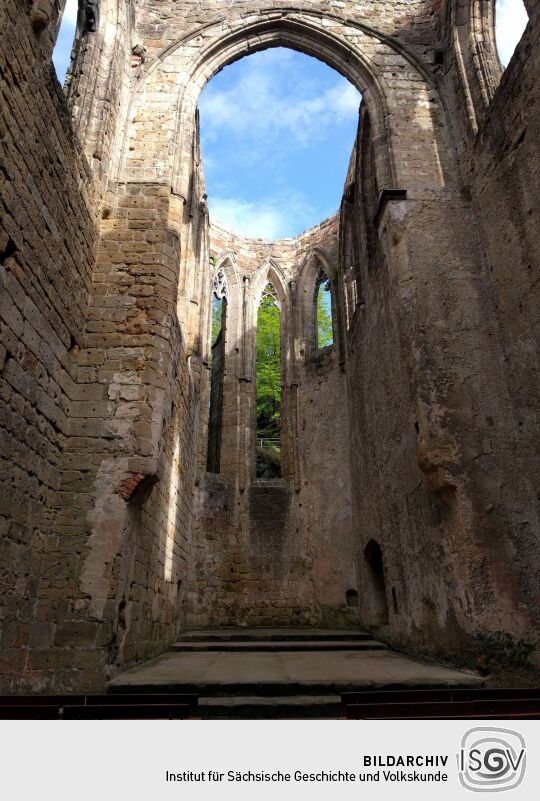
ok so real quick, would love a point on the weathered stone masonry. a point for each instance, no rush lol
(416, 431)
(276, 551)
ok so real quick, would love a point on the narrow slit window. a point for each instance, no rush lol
(268, 385)
(217, 371)
(323, 312)
(376, 584)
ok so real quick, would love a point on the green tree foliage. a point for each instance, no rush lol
(325, 333)
(268, 393)
(217, 318)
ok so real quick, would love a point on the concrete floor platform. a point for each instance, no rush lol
(281, 673)
(339, 670)
(290, 671)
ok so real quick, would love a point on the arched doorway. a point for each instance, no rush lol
(376, 601)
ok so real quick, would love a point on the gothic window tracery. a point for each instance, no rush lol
(220, 286)
(270, 297)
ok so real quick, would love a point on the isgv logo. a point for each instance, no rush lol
(491, 760)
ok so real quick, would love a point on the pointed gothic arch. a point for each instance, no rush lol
(376, 600)
(270, 272)
(324, 311)
(296, 29)
(268, 384)
(224, 274)
(316, 270)
(269, 286)
(310, 39)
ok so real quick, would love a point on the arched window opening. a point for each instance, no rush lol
(323, 312)
(217, 371)
(268, 385)
(510, 21)
(266, 120)
(376, 585)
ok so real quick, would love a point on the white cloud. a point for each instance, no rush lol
(70, 13)
(510, 20)
(269, 218)
(257, 107)
(344, 99)
(259, 126)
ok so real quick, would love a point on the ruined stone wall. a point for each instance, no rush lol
(106, 385)
(151, 565)
(420, 444)
(324, 500)
(491, 112)
(505, 170)
(277, 551)
(48, 237)
(128, 510)
(113, 535)
(442, 427)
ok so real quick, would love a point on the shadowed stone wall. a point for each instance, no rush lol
(448, 441)
(48, 236)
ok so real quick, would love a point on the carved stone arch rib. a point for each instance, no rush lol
(485, 58)
(270, 273)
(312, 39)
(470, 29)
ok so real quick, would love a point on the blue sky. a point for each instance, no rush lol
(64, 42)
(277, 129)
(510, 21)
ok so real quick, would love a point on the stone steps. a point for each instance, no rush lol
(281, 673)
(268, 707)
(233, 635)
(272, 646)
